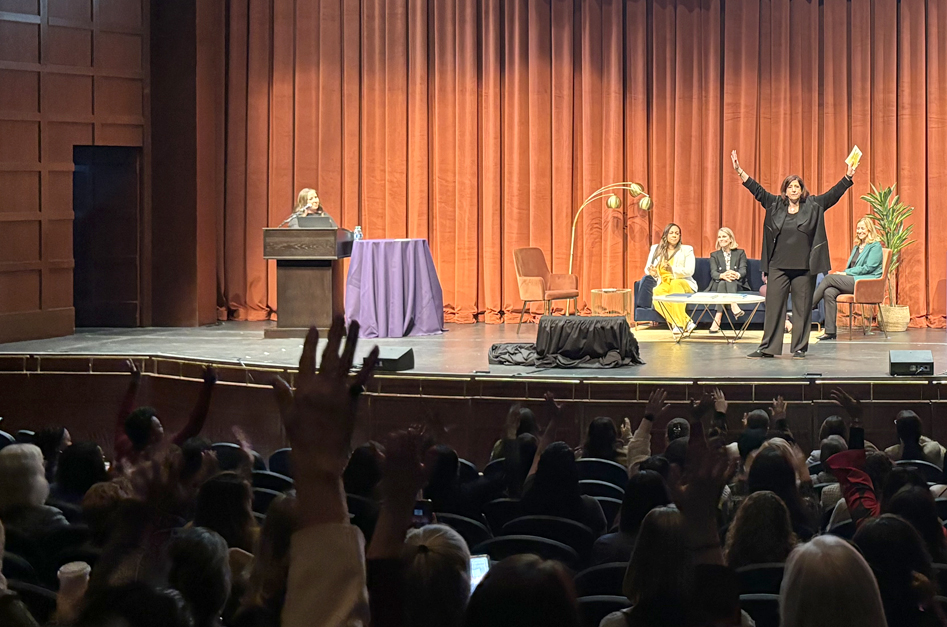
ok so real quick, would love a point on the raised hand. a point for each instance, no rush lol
(779, 407)
(405, 470)
(132, 369)
(848, 402)
(656, 405)
(702, 407)
(851, 171)
(626, 432)
(319, 416)
(735, 161)
(720, 401)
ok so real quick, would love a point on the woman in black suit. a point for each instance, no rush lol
(727, 272)
(795, 251)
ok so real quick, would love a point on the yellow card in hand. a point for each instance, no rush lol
(854, 157)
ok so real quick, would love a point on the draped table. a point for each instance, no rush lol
(392, 289)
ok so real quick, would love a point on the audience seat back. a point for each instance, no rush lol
(610, 507)
(605, 470)
(761, 578)
(843, 530)
(932, 473)
(467, 471)
(40, 601)
(280, 462)
(762, 608)
(25, 436)
(6, 439)
(271, 481)
(815, 468)
(941, 505)
(494, 468)
(568, 532)
(262, 497)
(592, 487)
(940, 571)
(604, 579)
(501, 511)
(16, 567)
(502, 547)
(474, 532)
(593, 609)
(230, 456)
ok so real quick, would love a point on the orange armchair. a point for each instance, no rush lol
(869, 292)
(536, 283)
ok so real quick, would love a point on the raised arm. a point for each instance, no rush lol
(120, 441)
(831, 197)
(759, 192)
(199, 414)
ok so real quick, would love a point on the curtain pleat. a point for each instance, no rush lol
(482, 126)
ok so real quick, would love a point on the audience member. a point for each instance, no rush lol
(23, 493)
(52, 441)
(761, 532)
(225, 505)
(200, 571)
(915, 504)
(99, 505)
(555, 491)
(658, 464)
(524, 591)
(829, 447)
(677, 428)
(135, 605)
(449, 495)
(659, 580)
(602, 441)
(138, 433)
(645, 491)
(903, 569)
(912, 442)
(81, 466)
(827, 582)
(363, 472)
(771, 471)
(833, 425)
(266, 586)
(436, 577)
(519, 421)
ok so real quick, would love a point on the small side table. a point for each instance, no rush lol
(613, 302)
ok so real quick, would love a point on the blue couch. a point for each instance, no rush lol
(644, 311)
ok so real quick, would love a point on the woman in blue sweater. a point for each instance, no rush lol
(865, 262)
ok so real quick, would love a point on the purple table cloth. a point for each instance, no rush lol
(392, 289)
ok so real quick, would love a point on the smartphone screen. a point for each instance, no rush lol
(422, 514)
(479, 565)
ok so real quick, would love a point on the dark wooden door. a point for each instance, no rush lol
(106, 201)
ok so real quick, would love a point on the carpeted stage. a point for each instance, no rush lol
(462, 352)
(79, 381)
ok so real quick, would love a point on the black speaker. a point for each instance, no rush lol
(395, 358)
(910, 363)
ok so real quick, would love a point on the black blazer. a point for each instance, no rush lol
(718, 265)
(810, 220)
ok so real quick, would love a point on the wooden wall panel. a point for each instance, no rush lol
(72, 73)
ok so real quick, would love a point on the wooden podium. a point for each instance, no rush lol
(309, 277)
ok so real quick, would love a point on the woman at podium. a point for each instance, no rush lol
(307, 204)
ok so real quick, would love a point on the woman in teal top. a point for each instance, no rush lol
(865, 262)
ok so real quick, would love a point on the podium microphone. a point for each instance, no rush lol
(296, 214)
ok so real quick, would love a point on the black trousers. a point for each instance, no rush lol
(830, 288)
(780, 284)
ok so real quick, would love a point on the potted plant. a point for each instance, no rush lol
(889, 215)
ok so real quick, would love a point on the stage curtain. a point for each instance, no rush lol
(481, 125)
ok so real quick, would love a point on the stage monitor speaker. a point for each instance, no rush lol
(395, 358)
(910, 363)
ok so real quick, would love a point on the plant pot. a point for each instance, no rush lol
(896, 317)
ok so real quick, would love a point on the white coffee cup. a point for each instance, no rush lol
(73, 579)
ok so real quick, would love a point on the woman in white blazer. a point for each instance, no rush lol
(671, 263)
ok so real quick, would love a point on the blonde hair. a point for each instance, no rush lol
(303, 198)
(22, 476)
(436, 576)
(873, 234)
(733, 240)
(828, 582)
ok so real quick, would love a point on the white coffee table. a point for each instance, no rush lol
(711, 299)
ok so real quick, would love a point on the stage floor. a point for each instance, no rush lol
(462, 351)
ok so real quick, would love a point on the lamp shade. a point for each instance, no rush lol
(645, 203)
(636, 189)
(613, 202)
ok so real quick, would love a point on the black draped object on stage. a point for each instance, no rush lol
(573, 342)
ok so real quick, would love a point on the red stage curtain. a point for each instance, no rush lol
(481, 125)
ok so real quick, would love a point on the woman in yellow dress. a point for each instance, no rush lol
(671, 264)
